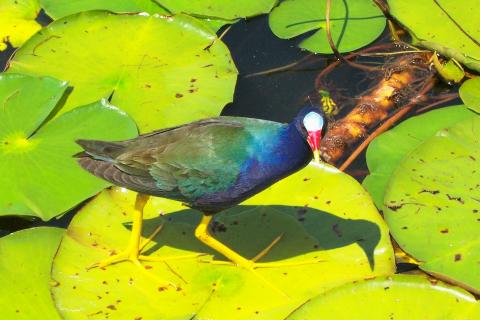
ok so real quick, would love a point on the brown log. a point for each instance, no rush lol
(393, 91)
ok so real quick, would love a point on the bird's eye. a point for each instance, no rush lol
(313, 121)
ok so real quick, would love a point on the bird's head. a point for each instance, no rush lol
(311, 123)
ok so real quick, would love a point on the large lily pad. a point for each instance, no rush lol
(432, 204)
(25, 265)
(394, 297)
(155, 67)
(59, 8)
(39, 175)
(322, 213)
(17, 21)
(354, 23)
(385, 152)
(449, 27)
(228, 10)
(470, 93)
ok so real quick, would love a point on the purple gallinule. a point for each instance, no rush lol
(210, 165)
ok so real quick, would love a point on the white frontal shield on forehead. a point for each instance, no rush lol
(313, 121)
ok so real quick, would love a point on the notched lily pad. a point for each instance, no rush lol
(227, 10)
(386, 151)
(470, 93)
(17, 21)
(25, 263)
(163, 71)
(393, 297)
(353, 23)
(36, 157)
(60, 8)
(324, 215)
(449, 27)
(432, 204)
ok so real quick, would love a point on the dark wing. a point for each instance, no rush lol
(182, 163)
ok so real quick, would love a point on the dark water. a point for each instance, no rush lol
(277, 96)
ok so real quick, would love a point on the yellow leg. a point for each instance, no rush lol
(134, 247)
(202, 233)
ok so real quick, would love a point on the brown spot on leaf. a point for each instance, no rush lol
(337, 230)
(429, 191)
(458, 199)
(444, 230)
(178, 95)
(218, 227)
(458, 257)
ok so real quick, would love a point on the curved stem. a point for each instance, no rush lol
(329, 34)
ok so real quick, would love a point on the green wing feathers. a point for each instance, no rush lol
(182, 163)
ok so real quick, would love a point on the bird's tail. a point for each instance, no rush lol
(100, 150)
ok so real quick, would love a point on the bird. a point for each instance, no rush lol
(210, 165)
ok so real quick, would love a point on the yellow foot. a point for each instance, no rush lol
(251, 264)
(132, 254)
(128, 256)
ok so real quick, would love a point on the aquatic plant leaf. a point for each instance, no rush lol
(156, 68)
(17, 21)
(60, 8)
(386, 151)
(227, 10)
(451, 71)
(449, 27)
(39, 175)
(25, 265)
(432, 204)
(394, 297)
(322, 213)
(470, 93)
(353, 23)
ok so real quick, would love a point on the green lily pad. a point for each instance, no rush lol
(39, 175)
(59, 8)
(393, 297)
(470, 93)
(432, 204)
(161, 74)
(17, 21)
(322, 213)
(227, 10)
(25, 265)
(449, 27)
(386, 151)
(353, 23)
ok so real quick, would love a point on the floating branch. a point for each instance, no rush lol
(402, 81)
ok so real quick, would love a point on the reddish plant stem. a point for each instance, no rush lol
(333, 65)
(443, 100)
(329, 34)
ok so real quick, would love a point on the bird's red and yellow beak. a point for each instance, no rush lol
(313, 139)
